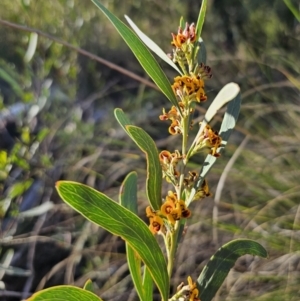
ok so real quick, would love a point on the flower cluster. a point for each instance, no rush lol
(174, 115)
(171, 211)
(209, 139)
(187, 292)
(168, 163)
(183, 43)
(189, 90)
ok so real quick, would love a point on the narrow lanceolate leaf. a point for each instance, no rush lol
(219, 265)
(100, 209)
(128, 199)
(227, 126)
(152, 45)
(154, 172)
(142, 53)
(147, 145)
(64, 292)
(199, 26)
(201, 18)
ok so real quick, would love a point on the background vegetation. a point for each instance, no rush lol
(56, 122)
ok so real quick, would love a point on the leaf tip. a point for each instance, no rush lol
(57, 184)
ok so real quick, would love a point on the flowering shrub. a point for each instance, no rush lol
(167, 214)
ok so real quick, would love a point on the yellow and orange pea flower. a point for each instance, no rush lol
(156, 222)
(188, 35)
(212, 140)
(172, 209)
(194, 292)
(189, 86)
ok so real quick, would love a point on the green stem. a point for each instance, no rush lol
(185, 135)
(172, 249)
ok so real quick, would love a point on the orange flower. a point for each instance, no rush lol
(171, 210)
(156, 222)
(209, 139)
(174, 209)
(194, 292)
(175, 128)
(185, 212)
(192, 86)
(172, 114)
(203, 191)
(165, 157)
(188, 35)
(212, 140)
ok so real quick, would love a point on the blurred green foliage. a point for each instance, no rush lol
(66, 130)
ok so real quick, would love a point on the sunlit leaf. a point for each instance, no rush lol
(100, 209)
(219, 265)
(64, 293)
(33, 39)
(152, 45)
(142, 53)
(226, 94)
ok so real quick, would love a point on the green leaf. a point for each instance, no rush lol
(147, 145)
(128, 199)
(152, 45)
(141, 52)
(226, 94)
(227, 126)
(147, 285)
(122, 119)
(181, 22)
(100, 209)
(64, 293)
(88, 286)
(154, 172)
(201, 18)
(219, 265)
(128, 192)
(202, 51)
